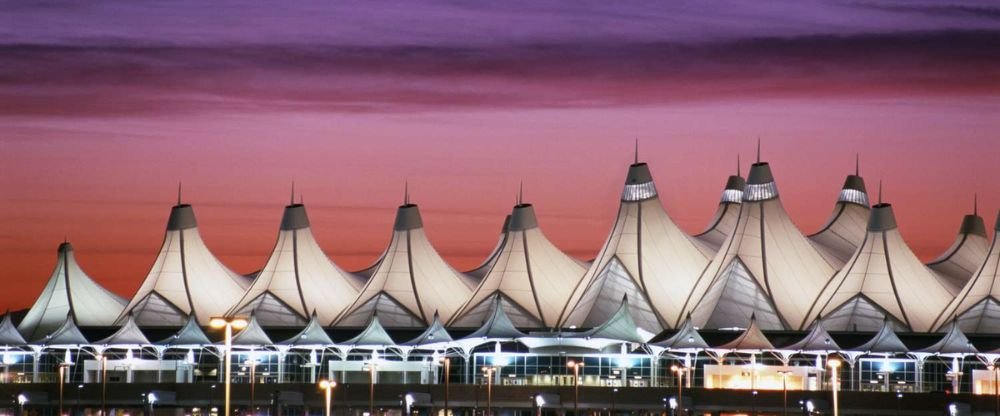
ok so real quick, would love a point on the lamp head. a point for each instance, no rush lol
(834, 364)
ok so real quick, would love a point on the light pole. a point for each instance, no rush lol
(252, 363)
(104, 385)
(371, 385)
(614, 398)
(899, 401)
(229, 323)
(996, 389)
(680, 387)
(78, 407)
(576, 385)
(489, 389)
(21, 401)
(62, 374)
(784, 391)
(151, 398)
(328, 386)
(834, 365)
(447, 381)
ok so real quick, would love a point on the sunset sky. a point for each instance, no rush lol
(106, 106)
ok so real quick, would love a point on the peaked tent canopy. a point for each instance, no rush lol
(374, 335)
(752, 339)
(953, 343)
(646, 258)
(530, 275)
(686, 338)
(434, 337)
(619, 327)
(298, 278)
(189, 335)
(9, 335)
(977, 306)
(186, 279)
(128, 334)
(496, 327)
(726, 215)
(885, 341)
(252, 336)
(817, 340)
(845, 230)
(67, 334)
(957, 264)
(766, 267)
(476, 275)
(883, 280)
(312, 335)
(408, 282)
(70, 291)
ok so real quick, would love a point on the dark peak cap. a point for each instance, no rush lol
(181, 217)
(522, 218)
(408, 218)
(855, 182)
(973, 224)
(881, 218)
(294, 217)
(65, 247)
(638, 173)
(736, 183)
(760, 173)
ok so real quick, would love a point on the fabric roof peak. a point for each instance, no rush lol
(497, 326)
(881, 218)
(253, 335)
(128, 334)
(312, 335)
(9, 335)
(752, 339)
(189, 335)
(434, 335)
(884, 341)
(294, 217)
(374, 335)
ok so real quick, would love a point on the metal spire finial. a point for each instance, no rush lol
(879, 191)
(758, 149)
(520, 193)
(302, 199)
(738, 170)
(406, 193)
(178, 192)
(857, 164)
(291, 200)
(975, 203)
(636, 151)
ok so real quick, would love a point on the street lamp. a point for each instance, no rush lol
(21, 401)
(996, 389)
(328, 386)
(104, 385)
(784, 390)
(679, 370)
(576, 385)
(614, 397)
(62, 380)
(371, 384)
(834, 365)
(899, 401)
(489, 389)
(447, 381)
(229, 323)
(252, 363)
(151, 398)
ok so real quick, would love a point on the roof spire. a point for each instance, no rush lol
(975, 203)
(636, 150)
(406, 193)
(302, 199)
(857, 164)
(758, 149)
(737, 164)
(291, 201)
(879, 191)
(178, 192)
(520, 193)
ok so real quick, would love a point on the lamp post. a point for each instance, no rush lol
(371, 384)
(834, 365)
(576, 385)
(614, 398)
(446, 362)
(489, 389)
(21, 401)
(784, 391)
(62, 373)
(229, 323)
(252, 363)
(151, 398)
(328, 386)
(104, 385)
(680, 387)
(899, 401)
(996, 389)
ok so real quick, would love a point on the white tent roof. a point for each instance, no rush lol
(618, 327)
(977, 305)
(845, 229)
(312, 335)
(817, 340)
(954, 343)
(9, 336)
(374, 335)
(957, 264)
(646, 257)
(497, 326)
(532, 276)
(752, 339)
(67, 334)
(128, 334)
(726, 215)
(884, 341)
(252, 336)
(476, 275)
(189, 335)
(185, 279)
(686, 338)
(434, 337)
(766, 267)
(883, 279)
(297, 279)
(70, 291)
(409, 282)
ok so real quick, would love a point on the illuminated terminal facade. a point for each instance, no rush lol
(750, 303)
